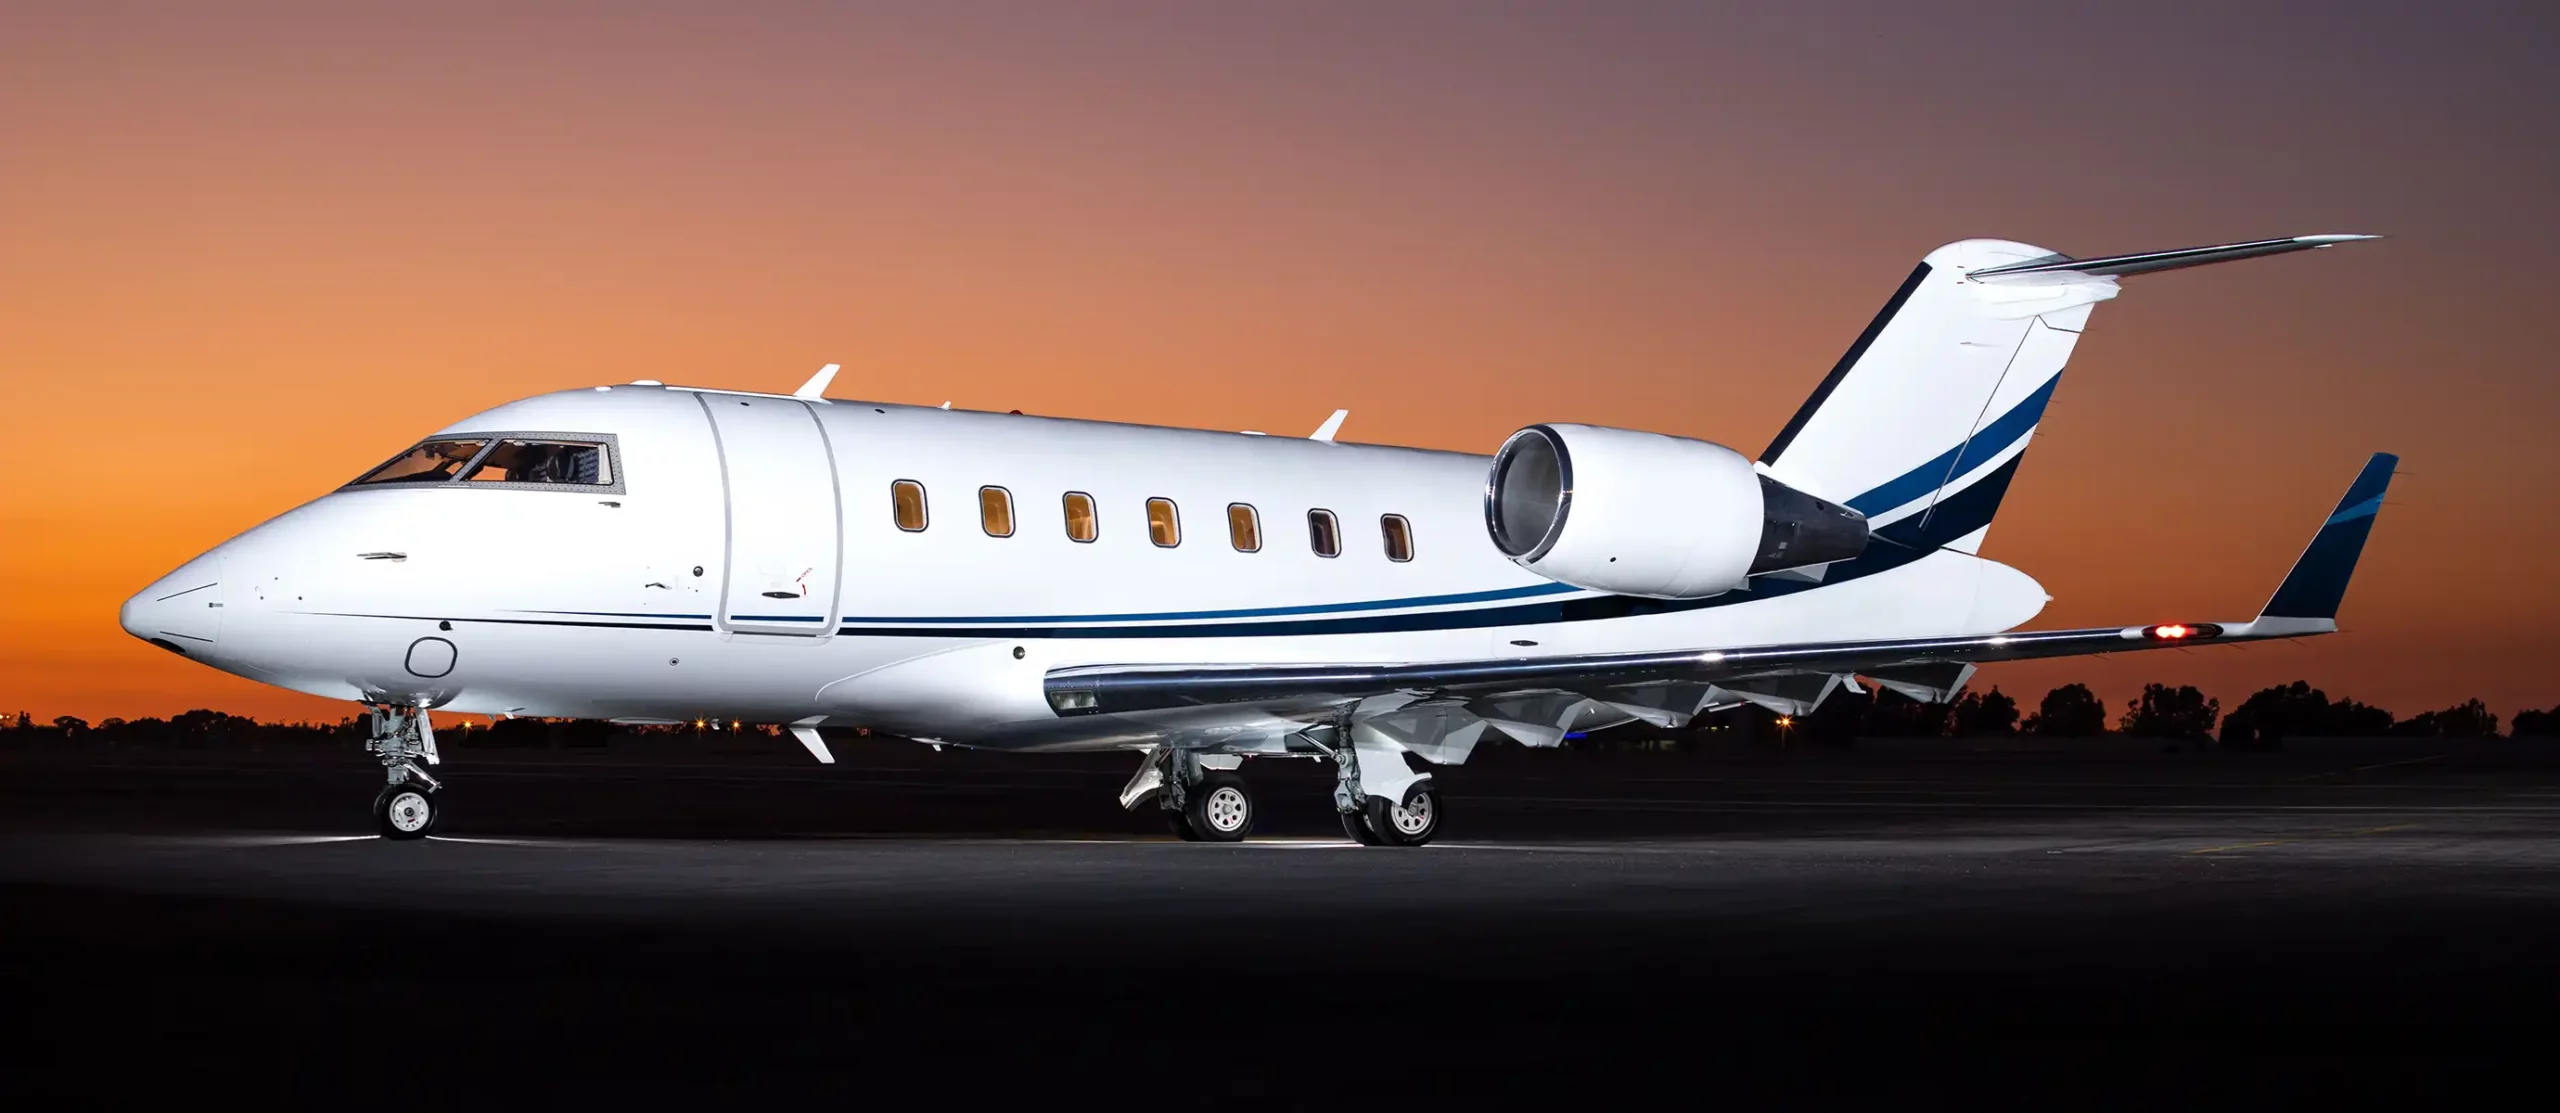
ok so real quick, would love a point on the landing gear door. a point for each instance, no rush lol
(784, 531)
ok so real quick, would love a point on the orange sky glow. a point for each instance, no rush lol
(245, 255)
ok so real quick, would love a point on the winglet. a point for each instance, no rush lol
(2311, 592)
(1331, 426)
(815, 389)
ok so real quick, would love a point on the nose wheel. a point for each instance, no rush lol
(407, 811)
(408, 806)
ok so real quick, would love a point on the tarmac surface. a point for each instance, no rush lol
(2082, 926)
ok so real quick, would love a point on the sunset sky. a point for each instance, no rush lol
(248, 250)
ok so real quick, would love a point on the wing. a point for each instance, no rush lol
(1537, 699)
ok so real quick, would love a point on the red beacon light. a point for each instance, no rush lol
(2181, 631)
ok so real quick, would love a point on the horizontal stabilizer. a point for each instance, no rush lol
(2111, 266)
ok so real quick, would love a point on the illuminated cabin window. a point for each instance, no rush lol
(995, 511)
(1080, 523)
(1324, 535)
(1164, 527)
(1244, 527)
(906, 500)
(1399, 534)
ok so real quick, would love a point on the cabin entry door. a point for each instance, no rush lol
(785, 531)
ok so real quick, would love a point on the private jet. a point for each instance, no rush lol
(650, 553)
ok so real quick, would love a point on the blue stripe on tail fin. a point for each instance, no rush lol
(1941, 391)
(2318, 582)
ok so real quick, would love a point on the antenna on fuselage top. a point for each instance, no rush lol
(1331, 426)
(946, 405)
(815, 389)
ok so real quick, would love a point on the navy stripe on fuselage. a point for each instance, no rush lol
(1592, 609)
(1530, 591)
(1596, 608)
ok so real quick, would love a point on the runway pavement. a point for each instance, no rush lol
(2282, 926)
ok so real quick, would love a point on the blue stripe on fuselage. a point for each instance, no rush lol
(1531, 591)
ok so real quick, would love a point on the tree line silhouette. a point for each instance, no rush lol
(2263, 721)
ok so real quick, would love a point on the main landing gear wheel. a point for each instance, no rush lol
(1400, 825)
(1355, 826)
(407, 811)
(1218, 809)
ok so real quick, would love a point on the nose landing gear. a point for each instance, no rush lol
(408, 807)
(407, 811)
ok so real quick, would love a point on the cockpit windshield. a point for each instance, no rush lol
(504, 459)
(532, 461)
(432, 462)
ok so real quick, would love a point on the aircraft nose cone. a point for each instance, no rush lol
(180, 612)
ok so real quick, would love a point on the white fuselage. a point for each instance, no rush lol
(750, 565)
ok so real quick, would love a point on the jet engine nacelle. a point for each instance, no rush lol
(1645, 514)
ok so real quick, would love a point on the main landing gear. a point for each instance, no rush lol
(1201, 795)
(409, 805)
(1379, 823)
(1381, 801)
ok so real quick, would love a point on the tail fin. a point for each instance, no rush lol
(1921, 424)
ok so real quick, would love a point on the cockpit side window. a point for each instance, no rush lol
(554, 461)
(430, 462)
(514, 460)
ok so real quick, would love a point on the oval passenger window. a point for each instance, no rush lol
(906, 503)
(1080, 523)
(1399, 535)
(995, 511)
(1324, 535)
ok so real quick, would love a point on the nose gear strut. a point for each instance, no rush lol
(400, 736)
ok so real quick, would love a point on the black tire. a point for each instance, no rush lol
(1180, 825)
(396, 812)
(1355, 826)
(1406, 826)
(1219, 808)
